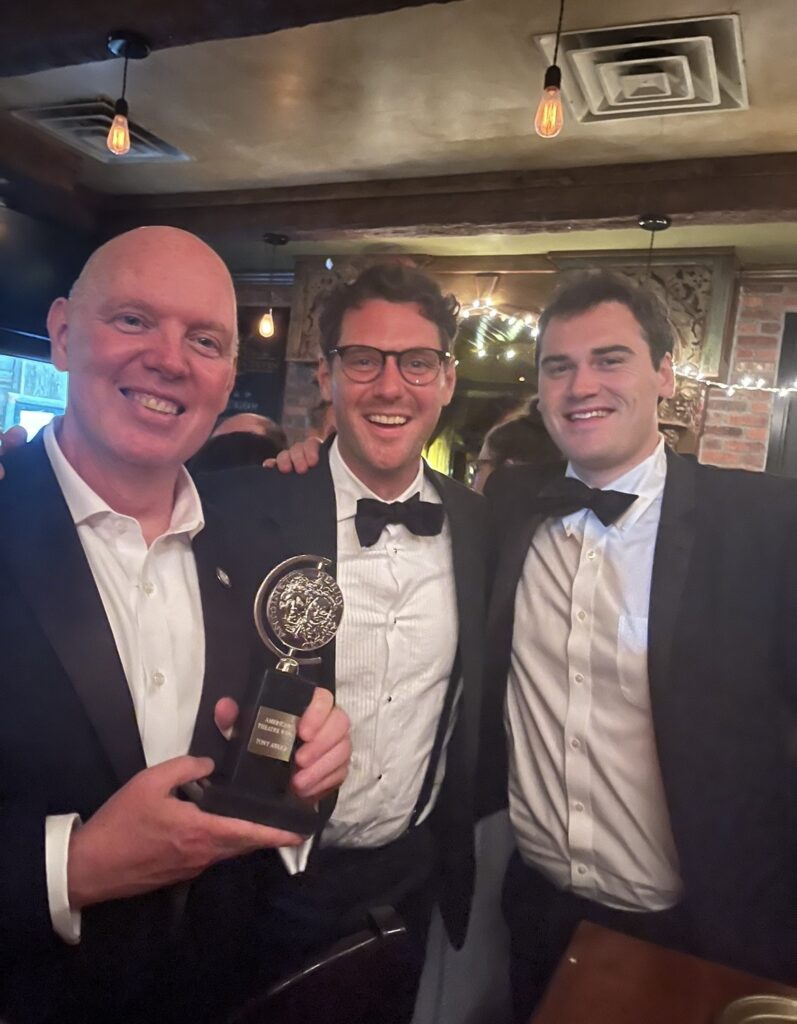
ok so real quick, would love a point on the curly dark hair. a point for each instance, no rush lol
(590, 288)
(394, 282)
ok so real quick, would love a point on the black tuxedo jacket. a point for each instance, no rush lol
(69, 740)
(295, 514)
(722, 662)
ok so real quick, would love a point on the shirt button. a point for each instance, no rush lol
(578, 678)
(389, 699)
(581, 869)
(148, 588)
(379, 777)
(581, 616)
(575, 743)
(158, 678)
(591, 555)
(578, 806)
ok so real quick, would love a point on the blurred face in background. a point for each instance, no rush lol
(486, 465)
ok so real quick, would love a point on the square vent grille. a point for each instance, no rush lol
(651, 69)
(84, 125)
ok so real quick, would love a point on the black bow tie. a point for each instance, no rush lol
(567, 495)
(420, 517)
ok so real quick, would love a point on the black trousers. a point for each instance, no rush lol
(542, 918)
(308, 912)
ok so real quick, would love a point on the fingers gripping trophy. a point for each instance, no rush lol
(298, 608)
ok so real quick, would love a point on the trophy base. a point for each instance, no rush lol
(220, 798)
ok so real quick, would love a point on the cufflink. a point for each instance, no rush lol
(222, 577)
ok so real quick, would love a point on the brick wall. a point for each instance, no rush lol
(736, 430)
(301, 396)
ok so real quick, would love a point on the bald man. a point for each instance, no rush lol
(122, 632)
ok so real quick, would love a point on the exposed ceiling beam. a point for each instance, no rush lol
(53, 34)
(750, 189)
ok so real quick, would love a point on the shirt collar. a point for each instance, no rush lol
(646, 480)
(85, 504)
(349, 488)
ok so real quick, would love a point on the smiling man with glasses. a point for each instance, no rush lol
(407, 543)
(389, 374)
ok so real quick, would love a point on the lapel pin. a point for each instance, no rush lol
(222, 577)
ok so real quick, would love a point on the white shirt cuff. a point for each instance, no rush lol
(295, 857)
(57, 833)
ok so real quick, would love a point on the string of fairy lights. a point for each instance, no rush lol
(744, 384)
(517, 329)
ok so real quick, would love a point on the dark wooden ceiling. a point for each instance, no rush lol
(43, 34)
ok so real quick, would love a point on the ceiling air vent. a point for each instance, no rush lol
(652, 69)
(84, 124)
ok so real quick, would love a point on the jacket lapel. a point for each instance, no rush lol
(467, 553)
(671, 560)
(512, 523)
(41, 548)
(307, 513)
(229, 632)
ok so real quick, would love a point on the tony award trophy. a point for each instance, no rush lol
(297, 608)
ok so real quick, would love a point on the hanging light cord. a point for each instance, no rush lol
(650, 256)
(559, 30)
(124, 78)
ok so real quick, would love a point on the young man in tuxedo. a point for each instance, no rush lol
(121, 634)
(643, 655)
(407, 543)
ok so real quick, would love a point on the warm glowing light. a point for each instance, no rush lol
(118, 140)
(266, 326)
(510, 353)
(550, 114)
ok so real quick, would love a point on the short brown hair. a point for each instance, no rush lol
(394, 282)
(591, 288)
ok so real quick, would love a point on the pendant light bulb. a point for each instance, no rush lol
(266, 326)
(118, 140)
(550, 113)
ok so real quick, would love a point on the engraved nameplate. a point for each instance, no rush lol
(273, 734)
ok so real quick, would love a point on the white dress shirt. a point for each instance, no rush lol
(585, 792)
(394, 654)
(152, 601)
